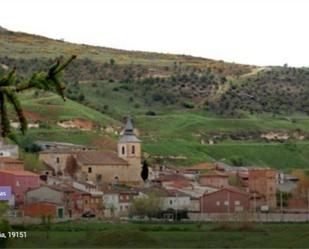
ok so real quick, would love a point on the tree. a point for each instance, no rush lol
(145, 170)
(112, 61)
(10, 86)
(4, 225)
(146, 206)
(303, 183)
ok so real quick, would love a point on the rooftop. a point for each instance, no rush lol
(19, 172)
(128, 133)
(99, 158)
(4, 159)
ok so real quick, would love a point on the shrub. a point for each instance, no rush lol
(188, 105)
(237, 160)
(151, 113)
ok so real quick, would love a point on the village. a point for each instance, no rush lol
(81, 182)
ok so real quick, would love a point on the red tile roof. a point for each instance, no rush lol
(19, 172)
(214, 173)
(99, 158)
(180, 184)
(230, 189)
(4, 159)
(201, 166)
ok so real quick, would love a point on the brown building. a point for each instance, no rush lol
(108, 167)
(262, 181)
(99, 167)
(38, 209)
(214, 178)
(9, 163)
(57, 159)
(225, 200)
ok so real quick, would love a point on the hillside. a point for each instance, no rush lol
(187, 109)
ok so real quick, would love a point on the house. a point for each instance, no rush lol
(37, 209)
(64, 196)
(111, 203)
(109, 167)
(176, 200)
(263, 182)
(214, 178)
(8, 150)
(225, 200)
(47, 145)
(57, 159)
(10, 163)
(126, 197)
(20, 181)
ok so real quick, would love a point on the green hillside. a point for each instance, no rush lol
(179, 103)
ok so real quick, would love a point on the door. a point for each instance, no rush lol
(60, 213)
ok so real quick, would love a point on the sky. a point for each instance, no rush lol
(260, 32)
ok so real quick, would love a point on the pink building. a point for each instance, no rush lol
(20, 181)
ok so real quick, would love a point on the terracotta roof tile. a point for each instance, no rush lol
(4, 159)
(19, 172)
(100, 158)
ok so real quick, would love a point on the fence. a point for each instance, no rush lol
(255, 217)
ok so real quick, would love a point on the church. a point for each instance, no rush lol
(109, 167)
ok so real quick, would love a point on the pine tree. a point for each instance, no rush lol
(9, 87)
(145, 171)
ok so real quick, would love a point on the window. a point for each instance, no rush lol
(89, 170)
(237, 203)
(226, 203)
(57, 160)
(218, 203)
(171, 202)
(133, 149)
(123, 151)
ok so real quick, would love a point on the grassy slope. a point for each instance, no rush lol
(172, 133)
(27, 46)
(177, 135)
(51, 108)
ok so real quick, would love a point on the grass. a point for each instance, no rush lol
(52, 108)
(106, 235)
(175, 134)
(26, 46)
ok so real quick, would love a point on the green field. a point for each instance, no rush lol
(176, 134)
(113, 235)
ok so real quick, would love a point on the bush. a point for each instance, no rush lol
(237, 161)
(151, 113)
(188, 105)
(4, 228)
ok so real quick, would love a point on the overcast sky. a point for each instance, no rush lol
(261, 32)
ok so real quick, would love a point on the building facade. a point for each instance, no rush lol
(225, 200)
(20, 181)
(262, 182)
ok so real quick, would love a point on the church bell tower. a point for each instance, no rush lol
(129, 149)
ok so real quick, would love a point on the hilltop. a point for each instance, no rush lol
(180, 104)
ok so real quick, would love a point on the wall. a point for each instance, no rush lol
(51, 159)
(38, 209)
(263, 181)
(215, 181)
(19, 184)
(224, 201)
(44, 194)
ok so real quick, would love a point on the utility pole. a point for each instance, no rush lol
(281, 206)
(201, 206)
(228, 202)
(307, 205)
